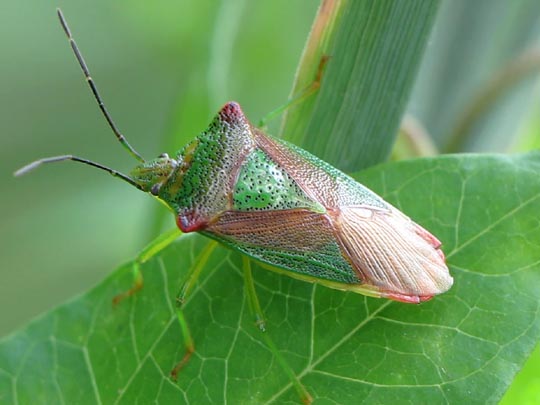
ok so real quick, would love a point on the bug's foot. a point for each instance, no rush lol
(180, 301)
(182, 363)
(126, 294)
(261, 324)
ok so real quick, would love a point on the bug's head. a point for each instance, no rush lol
(153, 174)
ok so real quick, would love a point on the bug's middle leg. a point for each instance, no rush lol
(259, 321)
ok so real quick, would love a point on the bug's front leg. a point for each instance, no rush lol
(157, 245)
(261, 325)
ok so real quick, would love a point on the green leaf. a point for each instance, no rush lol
(375, 49)
(462, 347)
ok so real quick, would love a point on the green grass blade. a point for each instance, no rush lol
(375, 49)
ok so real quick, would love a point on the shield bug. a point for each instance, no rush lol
(280, 205)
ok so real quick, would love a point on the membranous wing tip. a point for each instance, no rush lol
(397, 257)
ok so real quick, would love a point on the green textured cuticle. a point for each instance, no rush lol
(264, 185)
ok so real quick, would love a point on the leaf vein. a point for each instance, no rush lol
(88, 363)
(310, 367)
(140, 364)
(488, 228)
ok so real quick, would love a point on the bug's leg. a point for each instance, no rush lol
(259, 321)
(153, 248)
(187, 286)
(298, 98)
(188, 343)
(194, 273)
(253, 300)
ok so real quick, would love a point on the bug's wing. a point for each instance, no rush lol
(393, 254)
(298, 240)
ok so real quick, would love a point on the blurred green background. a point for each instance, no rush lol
(164, 68)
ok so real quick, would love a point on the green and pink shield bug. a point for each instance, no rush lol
(283, 207)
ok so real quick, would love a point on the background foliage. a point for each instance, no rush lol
(163, 72)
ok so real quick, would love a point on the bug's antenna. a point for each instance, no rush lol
(93, 87)
(37, 163)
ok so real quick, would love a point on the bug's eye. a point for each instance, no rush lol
(155, 189)
(164, 156)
